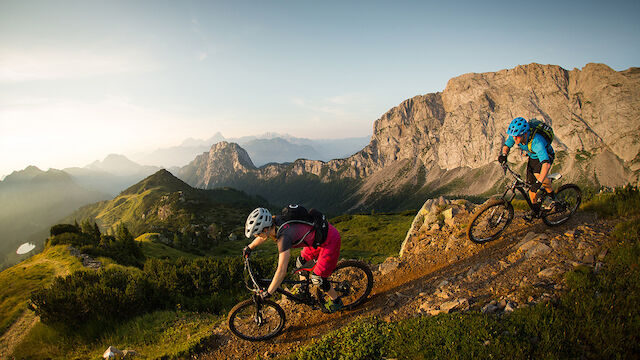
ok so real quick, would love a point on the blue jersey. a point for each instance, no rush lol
(540, 148)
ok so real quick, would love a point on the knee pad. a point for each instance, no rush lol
(320, 282)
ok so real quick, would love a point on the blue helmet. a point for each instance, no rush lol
(518, 127)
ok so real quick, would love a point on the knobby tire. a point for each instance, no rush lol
(499, 213)
(353, 280)
(242, 320)
(568, 198)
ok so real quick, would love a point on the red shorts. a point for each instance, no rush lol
(326, 254)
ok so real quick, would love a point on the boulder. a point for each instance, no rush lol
(548, 272)
(456, 304)
(538, 249)
(389, 265)
(113, 353)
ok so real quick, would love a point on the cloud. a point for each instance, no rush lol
(20, 66)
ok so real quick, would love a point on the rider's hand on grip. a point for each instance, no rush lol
(536, 186)
(264, 294)
(502, 159)
(246, 251)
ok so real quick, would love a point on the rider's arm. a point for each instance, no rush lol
(508, 143)
(281, 272)
(257, 241)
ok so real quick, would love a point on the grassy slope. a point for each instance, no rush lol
(158, 250)
(17, 282)
(175, 333)
(372, 237)
(158, 335)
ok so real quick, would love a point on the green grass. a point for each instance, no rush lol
(622, 202)
(163, 334)
(152, 248)
(17, 282)
(372, 237)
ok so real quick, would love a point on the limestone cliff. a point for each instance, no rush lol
(447, 142)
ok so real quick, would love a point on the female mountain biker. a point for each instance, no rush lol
(263, 226)
(541, 156)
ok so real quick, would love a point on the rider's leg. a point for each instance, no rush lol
(324, 285)
(328, 254)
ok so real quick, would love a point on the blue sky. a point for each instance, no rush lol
(82, 79)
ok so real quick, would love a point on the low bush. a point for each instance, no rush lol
(113, 295)
(63, 228)
(623, 201)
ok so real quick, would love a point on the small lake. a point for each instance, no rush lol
(25, 248)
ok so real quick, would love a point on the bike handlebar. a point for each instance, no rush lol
(517, 176)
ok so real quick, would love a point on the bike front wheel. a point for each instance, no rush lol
(353, 281)
(490, 220)
(256, 321)
(557, 211)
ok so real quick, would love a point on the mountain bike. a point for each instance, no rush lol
(496, 214)
(258, 319)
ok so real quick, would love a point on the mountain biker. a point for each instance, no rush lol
(263, 226)
(541, 156)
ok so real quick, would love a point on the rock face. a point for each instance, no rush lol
(447, 142)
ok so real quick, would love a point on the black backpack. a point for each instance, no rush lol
(313, 217)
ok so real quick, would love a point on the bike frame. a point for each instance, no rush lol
(518, 184)
(310, 301)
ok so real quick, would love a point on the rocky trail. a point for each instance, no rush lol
(442, 271)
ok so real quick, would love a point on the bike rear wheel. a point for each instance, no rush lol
(490, 220)
(557, 211)
(253, 321)
(353, 281)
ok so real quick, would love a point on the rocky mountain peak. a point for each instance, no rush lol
(223, 163)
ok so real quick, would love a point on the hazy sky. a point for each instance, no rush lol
(82, 79)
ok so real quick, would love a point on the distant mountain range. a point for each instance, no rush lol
(31, 201)
(263, 149)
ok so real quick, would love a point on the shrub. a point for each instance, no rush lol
(102, 296)
(624, 201)
(87, 297)
(63, 228)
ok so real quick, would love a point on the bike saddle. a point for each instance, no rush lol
(555, 176)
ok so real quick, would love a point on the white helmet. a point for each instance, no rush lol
(258, 220)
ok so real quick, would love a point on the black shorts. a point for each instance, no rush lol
(534, 166)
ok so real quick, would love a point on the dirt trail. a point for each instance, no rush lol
(429, 276)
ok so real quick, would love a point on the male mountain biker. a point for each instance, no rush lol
(263, 226)
(541, 156)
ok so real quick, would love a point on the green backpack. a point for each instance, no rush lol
(539, 127)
